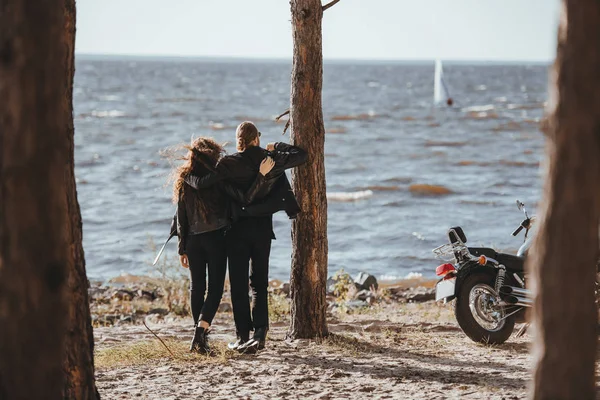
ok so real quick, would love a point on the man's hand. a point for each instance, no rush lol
(183, 259)
(266, 166)
(271, 146)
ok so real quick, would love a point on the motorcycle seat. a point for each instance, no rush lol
(483, 251)
(511, 262)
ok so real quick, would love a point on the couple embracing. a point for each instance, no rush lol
(225, 207)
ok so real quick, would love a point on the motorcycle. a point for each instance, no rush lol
(489, 287)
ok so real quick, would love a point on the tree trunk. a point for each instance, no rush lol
(34, 240)
(309, 230)
(564, 257)
(79, 339)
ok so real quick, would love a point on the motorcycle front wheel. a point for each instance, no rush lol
(478, 313)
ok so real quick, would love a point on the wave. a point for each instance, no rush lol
(254, 119)
(507, 163)
(398, 203)
(466, 163)
(110, 97)
(477, 109)
(379, 188)
(398, 179)
(510, 163)
(218, 126)
(478, 202)
(104, 114)
(538, 106)
(349, 196)
(395, 278)
(433, 143)
(516, 126)
(509, 126)
(429, 190)
(179, 100)
(355, 117)
(336, 129)
(482, 115)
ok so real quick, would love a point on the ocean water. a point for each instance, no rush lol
(384, 139)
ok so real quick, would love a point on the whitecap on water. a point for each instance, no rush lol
(413, 275)
(418, 235)
(349, 196)
(486, 107)
(395, 279)
(110, 97)
(108, 114)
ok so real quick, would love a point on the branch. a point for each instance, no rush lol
(163, 343)
(282, 115)
(329, 5)
(287, 124)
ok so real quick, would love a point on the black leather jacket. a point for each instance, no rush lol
(239, 169)
(189, 219)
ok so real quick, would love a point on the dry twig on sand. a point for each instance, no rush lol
(163, 343)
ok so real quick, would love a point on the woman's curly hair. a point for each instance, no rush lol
(201, 159)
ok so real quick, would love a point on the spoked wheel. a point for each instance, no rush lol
(482, 300)
(478, 312)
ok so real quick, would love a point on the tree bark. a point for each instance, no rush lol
(34, 240)
(566, 249)
(79, 340)
(309, 230)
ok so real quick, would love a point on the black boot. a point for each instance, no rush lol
(200, 341)
(241, 340)
(256, 343)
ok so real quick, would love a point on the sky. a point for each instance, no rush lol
(485, 30)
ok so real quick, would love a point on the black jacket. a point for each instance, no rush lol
(239, 169)
(189, 220)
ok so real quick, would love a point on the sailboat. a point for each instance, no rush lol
(440, 89)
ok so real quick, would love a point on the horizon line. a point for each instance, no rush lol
(231, 58)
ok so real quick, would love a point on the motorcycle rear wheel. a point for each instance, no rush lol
(477, 315)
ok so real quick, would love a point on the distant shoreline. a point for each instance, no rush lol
(260, 60)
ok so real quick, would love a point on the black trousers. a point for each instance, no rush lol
(206, 251)
(248, 249)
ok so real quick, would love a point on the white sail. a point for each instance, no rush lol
(440, 90)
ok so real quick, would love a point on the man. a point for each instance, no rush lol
(248, 241)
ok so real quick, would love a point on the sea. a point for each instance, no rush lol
(400, 170)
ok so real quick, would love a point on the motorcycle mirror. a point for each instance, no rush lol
(520, 205)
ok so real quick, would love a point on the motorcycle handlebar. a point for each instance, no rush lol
(518, 230)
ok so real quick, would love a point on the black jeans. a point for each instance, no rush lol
(206, 251)
(248, 250)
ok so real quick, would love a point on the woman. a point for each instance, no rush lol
(202, 219)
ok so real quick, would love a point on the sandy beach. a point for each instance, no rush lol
(388, 351)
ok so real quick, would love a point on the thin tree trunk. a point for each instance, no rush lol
(34, 244)
(309, 230)
(79, 340)
(565, 252)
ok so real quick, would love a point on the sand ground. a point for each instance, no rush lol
(399, 351)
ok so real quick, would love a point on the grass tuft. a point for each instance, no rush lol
(153, 352)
